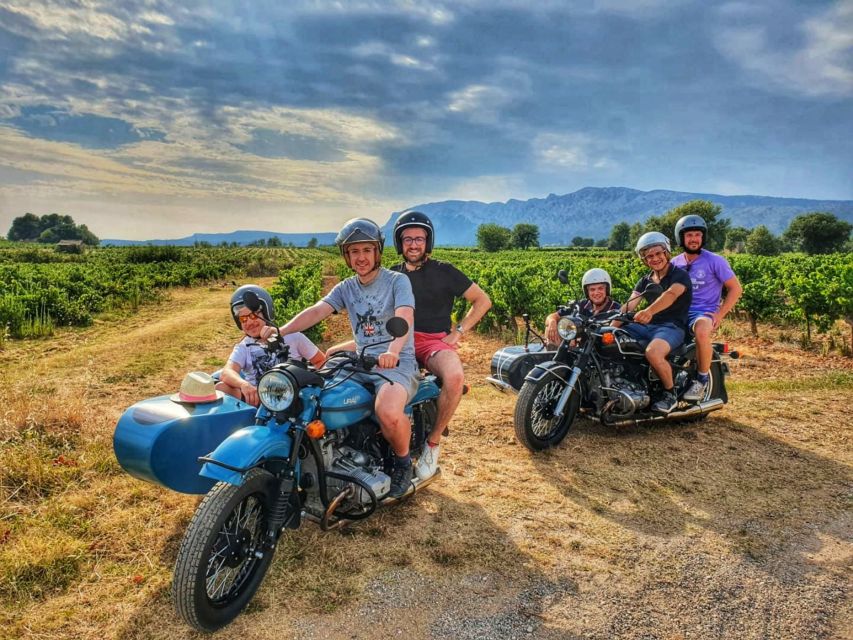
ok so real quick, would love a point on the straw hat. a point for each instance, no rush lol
(197, 387)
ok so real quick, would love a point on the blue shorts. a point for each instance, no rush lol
(667, 331)
(693, 316)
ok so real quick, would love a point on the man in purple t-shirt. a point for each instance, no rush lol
(710, 274)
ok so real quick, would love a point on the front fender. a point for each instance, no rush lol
(245, 448)
(559, 369)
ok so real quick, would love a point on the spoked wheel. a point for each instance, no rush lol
(222, 559)
(536, 426)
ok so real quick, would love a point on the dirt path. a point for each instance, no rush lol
(738, 527)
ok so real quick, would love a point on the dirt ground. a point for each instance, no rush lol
(737, 527)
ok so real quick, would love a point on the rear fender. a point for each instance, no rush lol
(244, 449)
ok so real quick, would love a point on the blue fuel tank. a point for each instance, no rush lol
(345, 404)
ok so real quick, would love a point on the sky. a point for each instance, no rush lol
(147, 119)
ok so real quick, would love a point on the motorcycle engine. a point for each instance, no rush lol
(366, 472)
(624, 396)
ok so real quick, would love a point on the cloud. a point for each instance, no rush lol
(570, 151)
(815, 59)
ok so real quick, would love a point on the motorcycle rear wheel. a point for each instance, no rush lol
(222, 559)
(536, 427)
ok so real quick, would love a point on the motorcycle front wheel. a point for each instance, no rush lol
(222, 559)
(536, 426)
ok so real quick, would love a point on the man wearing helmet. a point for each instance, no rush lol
(596, 285)
(436, 285)
(710, 274)
(371, 297)
(664, 321)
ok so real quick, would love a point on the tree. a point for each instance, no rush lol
(493, 237)
(25, 227)
(717, 228)
(524, 236)
(50, 228)
(636, 232)
(620, 237)
(312, 243)
(579, 241)
(760, 242)
(601, 242)
(817, 232)
(736, 239)
(273, 241)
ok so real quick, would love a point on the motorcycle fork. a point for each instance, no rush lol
(580, 364)
(283, 502)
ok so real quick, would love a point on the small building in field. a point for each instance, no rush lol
(70, 246)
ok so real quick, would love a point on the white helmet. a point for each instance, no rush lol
(651, 239)
(596, 276)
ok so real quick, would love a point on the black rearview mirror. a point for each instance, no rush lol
(397, 326)
(563, 276)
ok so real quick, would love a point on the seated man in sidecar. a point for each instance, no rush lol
(596, 285)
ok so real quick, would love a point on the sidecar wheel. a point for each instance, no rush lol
(222, 559)
(536, 427)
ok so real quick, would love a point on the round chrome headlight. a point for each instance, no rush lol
(276, 390)
(567, 328)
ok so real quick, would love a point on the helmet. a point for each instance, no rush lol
(596, 276)
(267, 309)
(359, 230)
(690, 222)
(413, 219)
(650, 239)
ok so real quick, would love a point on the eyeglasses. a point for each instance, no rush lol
(247, 317)
(411, 240)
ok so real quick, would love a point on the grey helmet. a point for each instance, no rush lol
(651, 239)
(267, 309)
(359, 230)
(690, 222)
(596, 276)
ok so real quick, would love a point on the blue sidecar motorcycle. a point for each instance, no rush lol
(312, 450)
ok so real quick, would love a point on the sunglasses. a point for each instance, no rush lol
(247, 317)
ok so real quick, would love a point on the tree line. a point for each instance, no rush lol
(812, 233)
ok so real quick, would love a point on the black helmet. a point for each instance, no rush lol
(359, 230)
(413, 219)
(266, 309)
(690, 222)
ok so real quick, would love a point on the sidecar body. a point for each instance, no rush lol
(160, 441)
(511, 364)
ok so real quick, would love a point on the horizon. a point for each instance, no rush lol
(161, 121)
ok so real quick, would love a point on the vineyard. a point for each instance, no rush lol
(41, 289)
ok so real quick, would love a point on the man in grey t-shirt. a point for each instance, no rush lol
(372, 297)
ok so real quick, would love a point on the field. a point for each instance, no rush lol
(737, 527)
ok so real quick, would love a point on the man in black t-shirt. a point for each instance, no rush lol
(436, 286)
(663, 322)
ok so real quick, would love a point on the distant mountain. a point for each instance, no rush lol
(590, 212)
(240, 237)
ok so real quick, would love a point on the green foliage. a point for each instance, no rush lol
(710, 212)
(817, 232)
(524, 236)
(736, 239)
(493, 237)
(312, 243)
(620, 237)
(760, 242)
(296, 289)
(50, 228)
(578, 241)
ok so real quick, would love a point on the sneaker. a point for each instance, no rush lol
(427, 462)
(666, 404)
(401, 480)
(695, 392)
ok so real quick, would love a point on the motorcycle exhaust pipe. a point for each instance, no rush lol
(500, 385)
(697, 409)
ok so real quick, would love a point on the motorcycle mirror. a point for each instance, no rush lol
(397, 326)
(563, 276)
(252, 301)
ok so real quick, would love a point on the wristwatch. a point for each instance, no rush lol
(459, 328)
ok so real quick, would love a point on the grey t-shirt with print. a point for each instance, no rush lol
(371, 306)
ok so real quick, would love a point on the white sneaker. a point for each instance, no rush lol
(695, 392)
(427, 462)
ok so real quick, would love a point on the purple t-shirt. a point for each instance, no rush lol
(708, 272)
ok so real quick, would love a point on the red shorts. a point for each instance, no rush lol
(427, 344)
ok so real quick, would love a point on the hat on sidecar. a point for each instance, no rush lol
(196, 388)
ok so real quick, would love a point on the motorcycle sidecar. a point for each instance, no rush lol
(511, 364)
(160, 441)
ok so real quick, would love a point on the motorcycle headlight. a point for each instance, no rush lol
(276, 390)
(567, 328)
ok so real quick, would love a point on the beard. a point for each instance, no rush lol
(692, 252)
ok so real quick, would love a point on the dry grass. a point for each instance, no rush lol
(739, 526)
